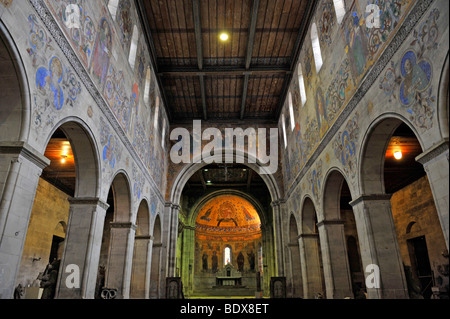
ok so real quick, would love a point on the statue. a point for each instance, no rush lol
(414, 288)
(49, 279)
(240, 262)
(251, 260)
(205, 262)
(215, 261)
(18, 292)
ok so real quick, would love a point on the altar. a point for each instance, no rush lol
(229, 277)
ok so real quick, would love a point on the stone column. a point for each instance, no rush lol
(295, 284)
(310, 259)
(172, 241)
(379, 247)
(188, 268)
(148, 270)
(138, 286)
(278, 237)
(118, 272)
(336, 269)
(156, 289)
(20, 168)
(436, 162)
(82, 248)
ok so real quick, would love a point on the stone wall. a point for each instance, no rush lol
(415, 215)
(46, 221)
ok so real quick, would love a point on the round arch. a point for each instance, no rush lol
(307, 211)
(85, 151)
(121, 189)
(203, 200)
(372, 153)
(333, 182)
(444, 99)
(15, 105)
(239, 157)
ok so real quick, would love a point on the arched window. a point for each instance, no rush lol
(301, 83)
(156, 113)
(147, 85)
(339, 7)
(227, 256)
(316, 47)
(133, 47)
(112, 7)
(291, 111)
(283, 124)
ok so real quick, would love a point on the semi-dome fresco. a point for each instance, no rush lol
(228, 218)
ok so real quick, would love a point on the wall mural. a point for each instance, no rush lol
(138, 182)
(315, 177)
(111, 146)
(345, 144)
(228, 218)
(329, 92)
(6, 3)
(408, 80)
(99, 41)
(57, 86)
(327, 22)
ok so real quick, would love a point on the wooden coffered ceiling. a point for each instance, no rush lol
(244, 78)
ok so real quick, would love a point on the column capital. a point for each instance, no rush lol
(278, 202)
(433, 152)
(123, 225)
(308, 236)
(172, 205)
(330, 222)
(370, 198)
(26, 151)
(89, 201)
(143, 237)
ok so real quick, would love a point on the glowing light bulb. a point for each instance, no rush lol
(224, 36)
(398, 155)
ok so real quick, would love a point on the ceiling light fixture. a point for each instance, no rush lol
(224, 36)
(63, 160)
(398, 155)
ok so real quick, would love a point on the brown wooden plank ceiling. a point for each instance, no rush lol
(243, 78)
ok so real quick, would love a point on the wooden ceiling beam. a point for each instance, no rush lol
(199, 47)
(248, 57)
(225, 70)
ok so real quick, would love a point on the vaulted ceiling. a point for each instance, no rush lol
(243, 78)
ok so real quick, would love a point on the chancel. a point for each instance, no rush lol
(224, 149)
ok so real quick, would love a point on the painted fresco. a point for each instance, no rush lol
(345, 145)
(331, 89)
(57, 86)
(102, 52)
(407, 82)
(6, 3)
(99, 42)
(228, 218)
(327, 22)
